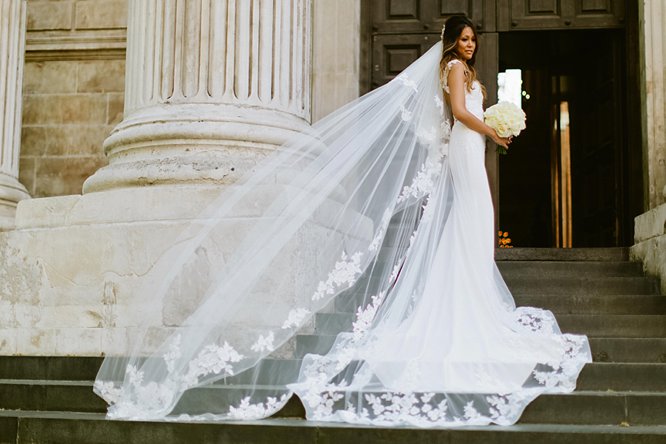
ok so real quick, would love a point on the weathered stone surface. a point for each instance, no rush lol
(101, 76)
(79, 272)
(650, 224)
(64, 109)
(48, 77)
(650, 246)
(49, 15)
(336, 45)
(63, 140)
(653, 91)
(93, 14)
(114, 111)
(63, 175)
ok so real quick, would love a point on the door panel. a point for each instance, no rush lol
(516, 15)
(420, 16)
(393, 53)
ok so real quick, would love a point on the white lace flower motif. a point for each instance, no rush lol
(296, 317)
(405, 80)
(173, 353)
(365, 316)
(247, 410)
(345, 272)
(439, 103)
(264, 343)
(212, 359)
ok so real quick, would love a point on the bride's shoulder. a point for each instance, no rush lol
(453, 62)
(450, 66)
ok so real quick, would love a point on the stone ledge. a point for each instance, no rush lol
(650, 224)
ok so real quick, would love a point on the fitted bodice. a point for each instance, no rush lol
(474, 100)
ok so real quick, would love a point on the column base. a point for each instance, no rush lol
(190, 144)
(11, 193)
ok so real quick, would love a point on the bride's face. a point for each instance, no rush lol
(466, 44)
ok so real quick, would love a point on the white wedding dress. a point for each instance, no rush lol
(426, 333)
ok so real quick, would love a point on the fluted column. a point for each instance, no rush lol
(12, 49)
(211, 87)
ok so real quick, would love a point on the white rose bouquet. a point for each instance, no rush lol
(505, 118)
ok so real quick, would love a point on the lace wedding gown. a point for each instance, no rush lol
(425, 332)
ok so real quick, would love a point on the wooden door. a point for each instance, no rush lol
(597, 140)
(515, 15)
(402, 30)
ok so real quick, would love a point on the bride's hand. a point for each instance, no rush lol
(502, 141)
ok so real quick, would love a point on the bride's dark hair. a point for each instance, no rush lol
(452, 29)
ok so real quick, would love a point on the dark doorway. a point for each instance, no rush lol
(565, 182)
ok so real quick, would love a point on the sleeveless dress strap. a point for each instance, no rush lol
(445, 77)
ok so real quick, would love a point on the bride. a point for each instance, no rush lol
(364, 281)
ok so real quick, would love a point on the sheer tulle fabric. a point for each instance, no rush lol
(378, 226)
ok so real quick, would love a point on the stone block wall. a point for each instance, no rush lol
(73, 91)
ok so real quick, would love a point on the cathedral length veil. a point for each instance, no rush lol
(339, 230)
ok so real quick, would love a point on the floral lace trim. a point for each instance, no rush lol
(264, 343)
(345, 272)
(365, 316)
(423, 183)
(246, 410)
(296, 317)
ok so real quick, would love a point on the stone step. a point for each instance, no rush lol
(615, 326)
(562, 254)
(596, 304)
(591, 269)
(64, 368)
(558, 285)
(604, 349)
(602, 376)
(559, 304)
(41, 427)
(78, 395)
(626, 326)
(579, 407)
(628, 349)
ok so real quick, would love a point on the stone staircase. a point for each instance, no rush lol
(621, 397)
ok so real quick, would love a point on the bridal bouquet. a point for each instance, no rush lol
(505, 118)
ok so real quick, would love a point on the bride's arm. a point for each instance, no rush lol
(456, 82)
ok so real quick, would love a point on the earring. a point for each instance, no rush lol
(443, 29)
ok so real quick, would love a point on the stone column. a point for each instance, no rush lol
(212, 86)
(12, 49)
(654, 89)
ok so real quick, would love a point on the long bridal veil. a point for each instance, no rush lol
(327, 292)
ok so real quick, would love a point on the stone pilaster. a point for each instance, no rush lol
(211, 87)
(654, 89)
(12, 49)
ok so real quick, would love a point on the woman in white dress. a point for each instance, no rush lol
(386, 211)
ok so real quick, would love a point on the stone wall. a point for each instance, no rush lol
(336, 44)
(650, 227)
(73, 91)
